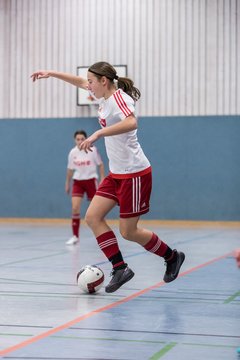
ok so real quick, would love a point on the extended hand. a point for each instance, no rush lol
(87, 144)
(40, 75)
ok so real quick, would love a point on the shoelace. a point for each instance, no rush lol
(168, 270)
(112, 272)
(115, 270)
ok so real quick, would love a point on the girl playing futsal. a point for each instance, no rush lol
(130, 179)
(83, 169)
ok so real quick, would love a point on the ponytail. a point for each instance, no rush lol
(127, 85)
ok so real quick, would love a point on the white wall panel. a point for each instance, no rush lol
(182, 54)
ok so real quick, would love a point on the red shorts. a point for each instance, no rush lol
(132, 195)
(80, 187)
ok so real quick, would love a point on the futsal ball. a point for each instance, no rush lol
(90, 279)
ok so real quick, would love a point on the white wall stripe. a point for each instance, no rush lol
(183, 55)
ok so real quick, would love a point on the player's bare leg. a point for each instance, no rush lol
(96, 212)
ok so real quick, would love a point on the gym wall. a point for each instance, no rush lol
(195, 160)
(183, 56)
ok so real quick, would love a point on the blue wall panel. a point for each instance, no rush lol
(196, 163)
(196, 166)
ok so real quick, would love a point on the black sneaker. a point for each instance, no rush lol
(119, 277)
(174, 267)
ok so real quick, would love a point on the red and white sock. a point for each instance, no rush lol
(109, 246)
(76, 224)
(158, 247)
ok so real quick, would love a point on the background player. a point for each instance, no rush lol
(83, 169)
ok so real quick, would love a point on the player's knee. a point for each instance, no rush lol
(127, 234)
(89, 219)
(75, 210)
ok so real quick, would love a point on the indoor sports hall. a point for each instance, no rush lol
(184, 57)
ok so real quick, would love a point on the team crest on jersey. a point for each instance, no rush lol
(102, 122)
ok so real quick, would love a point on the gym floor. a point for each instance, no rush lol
(43, 314)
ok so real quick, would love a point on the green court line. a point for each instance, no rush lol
(168, 299)
(210, 345)
(156, 356)
(70, 337)
(204, 291)
(106, 339)
(59, 295)
(232, 298)
(163, 351)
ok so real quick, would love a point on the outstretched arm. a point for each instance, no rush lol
(71, 79)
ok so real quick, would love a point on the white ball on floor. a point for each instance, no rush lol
(90, 279)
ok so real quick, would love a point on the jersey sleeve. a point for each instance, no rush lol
(97, 156)
(70, 165)
(124, 104)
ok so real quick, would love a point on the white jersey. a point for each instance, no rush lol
(124, 151)
(84, 164)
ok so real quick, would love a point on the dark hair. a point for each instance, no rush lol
(105, 69)
(80, 132)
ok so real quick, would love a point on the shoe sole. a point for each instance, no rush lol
(176, 275)
(115, 287)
